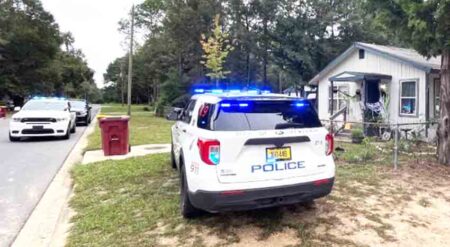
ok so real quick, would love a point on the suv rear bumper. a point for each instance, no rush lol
(260, 198)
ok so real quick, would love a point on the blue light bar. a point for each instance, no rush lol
(299, 104)
(225, 105)
(217, 91)
(243, 105)
(232, 90)
(235, 91)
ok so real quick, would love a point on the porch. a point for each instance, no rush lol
(359, 97)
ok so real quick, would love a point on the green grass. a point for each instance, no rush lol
(122, 202)
(144, 127)
(119, 109)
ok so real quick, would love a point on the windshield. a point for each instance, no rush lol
(45, 105)
(266, 115)
(78, 104)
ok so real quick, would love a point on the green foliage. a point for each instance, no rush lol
(31, 58)
(357, 133)
(275, 43)
(424, 25)
(216, 50)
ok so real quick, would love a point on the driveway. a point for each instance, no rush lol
(26, 170)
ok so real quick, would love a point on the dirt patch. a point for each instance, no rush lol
(408, 207)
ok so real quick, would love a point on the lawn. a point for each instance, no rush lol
(119, 109)
(144, 127)
(135, 203)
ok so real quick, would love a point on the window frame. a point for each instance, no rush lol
(338, 97)
(416, 98)
(186, 117)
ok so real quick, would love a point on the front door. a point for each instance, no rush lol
(372, 91)
(371, 112)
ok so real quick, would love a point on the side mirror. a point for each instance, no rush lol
(17, 108)
(174, 114)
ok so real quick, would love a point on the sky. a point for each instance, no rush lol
(94, 25)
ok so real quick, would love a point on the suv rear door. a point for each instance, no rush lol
(268, 140)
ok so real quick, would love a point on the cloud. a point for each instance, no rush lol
(94, 25)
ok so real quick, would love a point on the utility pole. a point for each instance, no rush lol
(122, 81)
(130, 63)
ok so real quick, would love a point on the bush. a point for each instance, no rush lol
(357, 133)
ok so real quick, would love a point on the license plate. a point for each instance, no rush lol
(38, 127)
(277, 154)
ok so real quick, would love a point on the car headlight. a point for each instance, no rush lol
(16, 119)
(61, 119)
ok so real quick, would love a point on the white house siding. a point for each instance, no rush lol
(373, 63)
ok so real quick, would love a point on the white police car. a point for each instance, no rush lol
(240, 151)
(43, 117)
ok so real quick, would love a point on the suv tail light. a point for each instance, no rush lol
(209, 151)
(329, 145)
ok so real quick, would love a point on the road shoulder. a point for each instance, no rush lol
(48, 224)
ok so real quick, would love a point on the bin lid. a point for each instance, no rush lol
(105, 118)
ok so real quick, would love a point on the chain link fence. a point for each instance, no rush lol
(372, 142)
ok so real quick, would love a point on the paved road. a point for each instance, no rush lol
(26, 170)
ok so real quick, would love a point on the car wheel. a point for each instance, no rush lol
(13, 139)
(67, 135)
(88, 119)
(73, 129)
(188, 211)
(172, 159)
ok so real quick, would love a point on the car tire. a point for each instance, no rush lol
(88, 120)
(67, 135)
(188, 211)
(13, 139)
(172, 158)
(73, 129)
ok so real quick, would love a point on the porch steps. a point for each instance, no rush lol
(345, 135)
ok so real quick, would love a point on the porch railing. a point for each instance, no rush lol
(343, 112)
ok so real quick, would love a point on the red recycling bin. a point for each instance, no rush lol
(115, 135)
(2, 112)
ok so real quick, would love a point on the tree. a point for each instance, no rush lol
(425, 25)
(216, 49)
(31, 58)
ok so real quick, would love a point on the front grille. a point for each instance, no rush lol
(37, 131)
(38, 120)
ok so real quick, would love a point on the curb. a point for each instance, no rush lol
(48, 224)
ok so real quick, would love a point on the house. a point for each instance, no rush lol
(395, 84)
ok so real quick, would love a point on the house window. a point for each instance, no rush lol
(340, 99)
(437, 94)
(408, 97)
(362, 53)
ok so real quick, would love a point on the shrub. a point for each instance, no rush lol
(357, 133)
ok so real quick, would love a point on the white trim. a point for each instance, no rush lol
(416, 105)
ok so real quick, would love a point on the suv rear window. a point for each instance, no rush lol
(264, 115)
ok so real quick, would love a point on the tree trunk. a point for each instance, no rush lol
(444, 122)
(265, 56)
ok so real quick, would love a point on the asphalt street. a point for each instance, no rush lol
(26, 170)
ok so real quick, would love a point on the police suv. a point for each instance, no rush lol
(241, 151)
(43, 117)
